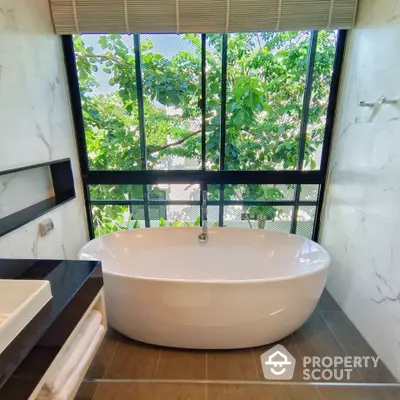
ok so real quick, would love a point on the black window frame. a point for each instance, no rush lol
(204, 177)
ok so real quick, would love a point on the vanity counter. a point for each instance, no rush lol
(74, 285)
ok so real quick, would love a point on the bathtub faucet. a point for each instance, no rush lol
(203, 237)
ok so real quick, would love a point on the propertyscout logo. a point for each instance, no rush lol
(279, 364)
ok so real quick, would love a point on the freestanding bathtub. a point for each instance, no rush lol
(243, 288)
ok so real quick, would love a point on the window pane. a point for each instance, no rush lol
(179, 216)
(309, 192)
(116, 192)
(213, 192)
(179, 192)
(277, 218)
(256, 192)
(106, 73)
(265, 88)
(212, 216)
(110, 218)
(305, 221)
(324, 58)
(171, 67)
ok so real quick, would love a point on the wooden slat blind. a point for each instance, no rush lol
(175, 16)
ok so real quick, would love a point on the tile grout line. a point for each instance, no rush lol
(111, 358)
(249, 383)
(158, 362)
(340, 343)
(323, 312)
(106, 368)
(255, 364)
(95, 391)
(297, 347)
(319, 393)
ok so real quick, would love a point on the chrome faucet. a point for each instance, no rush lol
(203, 237)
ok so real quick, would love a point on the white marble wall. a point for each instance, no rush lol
(36, 124)
(361, 220)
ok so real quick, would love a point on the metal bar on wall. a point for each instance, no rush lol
(224, 68)
(332, 104)
(76, 107)
(304, 122)
(143, 156)
(203, 186)
(196, 203)
(203, 101)
(153, 177)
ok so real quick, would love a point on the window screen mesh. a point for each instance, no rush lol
(110, 111)
(305, 221)
(176, 205)
(171, 66)
(258, 192)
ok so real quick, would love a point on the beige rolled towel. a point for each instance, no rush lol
(76, 350)
(75, 379)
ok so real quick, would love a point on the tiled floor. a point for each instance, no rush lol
(215, 391)
(203, 374)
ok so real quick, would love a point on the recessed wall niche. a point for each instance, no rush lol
(28, 192)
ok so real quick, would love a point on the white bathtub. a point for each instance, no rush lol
(244, 288)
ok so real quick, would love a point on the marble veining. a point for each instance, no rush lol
(361, 216)
(36, 126)
(40, 135)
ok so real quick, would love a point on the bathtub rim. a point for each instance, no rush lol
(325, 266)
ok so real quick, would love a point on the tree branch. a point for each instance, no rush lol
(103, 57)
(259, 41)
(178, 142)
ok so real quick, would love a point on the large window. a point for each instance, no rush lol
(242, 115)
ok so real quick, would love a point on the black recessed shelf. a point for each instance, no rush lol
(63, 188)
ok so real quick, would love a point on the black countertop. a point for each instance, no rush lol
(74, 285)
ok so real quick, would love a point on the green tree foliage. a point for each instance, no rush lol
(266, 76)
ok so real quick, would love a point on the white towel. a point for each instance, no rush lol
(74, 380)
(76, 350)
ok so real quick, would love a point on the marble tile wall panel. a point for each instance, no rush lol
(36, 124)
(361, 217)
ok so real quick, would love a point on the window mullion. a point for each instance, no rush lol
(224, 67)
(304, 122)
(203, 101)
(140, 101)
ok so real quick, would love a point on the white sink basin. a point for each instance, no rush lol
(20, 301)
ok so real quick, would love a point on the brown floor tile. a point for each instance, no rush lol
(86, 391)
(133, 360)
(291, 346)
(356, 345)
(150, 391)
(181, 364)
(358, 393)
(327, 302)
(261, 392)
(393, 393)
(180, 391)
(125, 391)
(104, 354)
(231, 365)
(315, 338)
